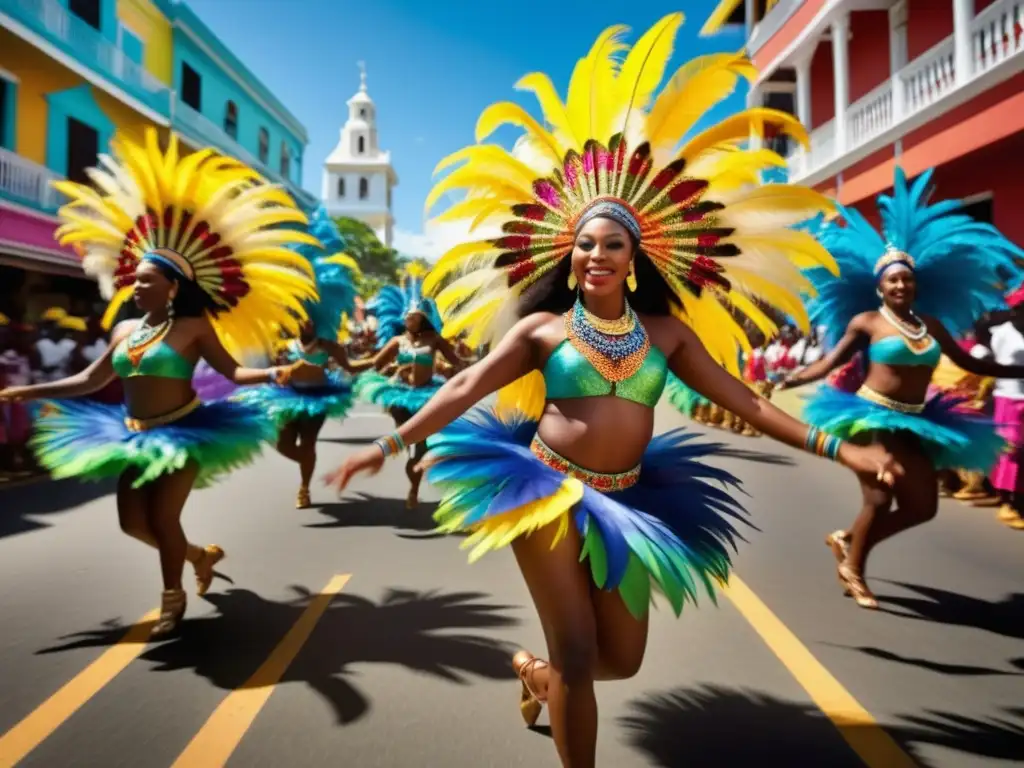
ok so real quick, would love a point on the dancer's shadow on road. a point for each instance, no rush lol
(714, 726)
(364, 511)
(425, 632)
(1002, 617)
(47, 497)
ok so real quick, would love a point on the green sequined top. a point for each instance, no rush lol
(161, 360)
(569, 375)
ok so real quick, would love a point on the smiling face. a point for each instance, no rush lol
(601, 257)
(898, 287)
(152, 289)
(413, 322)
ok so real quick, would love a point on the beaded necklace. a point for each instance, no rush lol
(616, 348)
(144, 337)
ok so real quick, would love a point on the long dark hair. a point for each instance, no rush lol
(190, 301)
(552, 293)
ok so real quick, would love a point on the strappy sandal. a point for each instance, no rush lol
(839, 543)
(856, 587)
(172, 609)
(303, 500)
(530, 703)
(212, 555)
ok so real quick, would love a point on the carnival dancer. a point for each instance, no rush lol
(933, 269)
(197, 241)
(300, 410)
(408, 327)
(611, 236)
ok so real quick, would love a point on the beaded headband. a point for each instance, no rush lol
(892, 257)
(615, 210)
(172, 260)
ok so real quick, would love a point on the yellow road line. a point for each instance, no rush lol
(48, 716)
(862, 732)
(214, 743)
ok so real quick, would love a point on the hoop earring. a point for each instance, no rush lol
(170, 308)
(572, 281)
(631, 277)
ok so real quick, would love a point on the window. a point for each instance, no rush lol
(341, 187)
(191, 87)
(286, 161)
(231, 120)
(130, 44)
(83, 150)
(87, 10)
(364, 188)
(361, 145)
(362, 112)
(6, 114)
(264, 148)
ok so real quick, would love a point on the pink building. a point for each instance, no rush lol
(921, 83)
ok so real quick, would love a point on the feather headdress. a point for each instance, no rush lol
(962, 267)
(226, 229)
(336, 274)
(393, 303)
(719, 241)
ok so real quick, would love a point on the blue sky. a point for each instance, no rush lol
(432, 67)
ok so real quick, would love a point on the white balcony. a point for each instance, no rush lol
(924, 89)
(25, 183)
(50, 26)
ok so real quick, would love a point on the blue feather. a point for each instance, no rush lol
(335, 283)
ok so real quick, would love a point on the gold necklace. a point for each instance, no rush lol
(618, 327)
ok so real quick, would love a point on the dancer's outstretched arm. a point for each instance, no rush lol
(961, 359)
(857, 334)
(514, 357)
(213, 351)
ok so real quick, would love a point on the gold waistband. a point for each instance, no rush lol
(866, 393)
(599, 481)
(141, 425)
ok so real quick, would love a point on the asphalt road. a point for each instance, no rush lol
(349, 634)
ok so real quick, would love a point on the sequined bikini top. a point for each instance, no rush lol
(319, 357)
(893, 350)
(160, 360)
(410, 355)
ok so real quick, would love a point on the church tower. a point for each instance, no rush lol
(357, 176)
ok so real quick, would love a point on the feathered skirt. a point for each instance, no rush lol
(951, 437)
(390, 392)
(669, 522)
(681, 397)
(282, 405)
(78, 438)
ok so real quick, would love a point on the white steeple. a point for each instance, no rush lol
(357, 175)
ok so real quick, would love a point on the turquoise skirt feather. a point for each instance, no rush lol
(681, 397)
(390, 393)
(673, 529)
(951, 438)
(282, 405)
(81, 438)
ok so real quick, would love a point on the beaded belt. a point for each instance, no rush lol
(866, 393)
(599, 481)
(141, 425)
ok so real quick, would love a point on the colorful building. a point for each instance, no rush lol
(75, 72)
(919, 83)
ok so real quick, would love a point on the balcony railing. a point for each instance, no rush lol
(83, 43)
(997, 34)
(28, 184)
(200, 130)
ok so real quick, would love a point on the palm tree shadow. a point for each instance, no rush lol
(940, 667)
(416, 630)
(759, 457)
(365, 511)
(24, 502)
(943, 607)
(698, 727)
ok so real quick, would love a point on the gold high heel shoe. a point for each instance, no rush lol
(172, 609)
(302, 500)
(530, 703)
(212, 555)
(839, 543)
(854, 583)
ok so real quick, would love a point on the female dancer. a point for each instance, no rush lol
(300, 410)
(933, 268)
(408, 326)
(197, 242)
(594, 509)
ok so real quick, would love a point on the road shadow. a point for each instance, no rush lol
(425, 632)
(940, 667)
(714, 725)
(1003, 617)
(47, 497)
(361, 510)
(759, 457)
(347, 440)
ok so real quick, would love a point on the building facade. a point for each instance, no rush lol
(918, 83)
(358, 176)
(73, 73)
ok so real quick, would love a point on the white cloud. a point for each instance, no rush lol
(436, 239)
